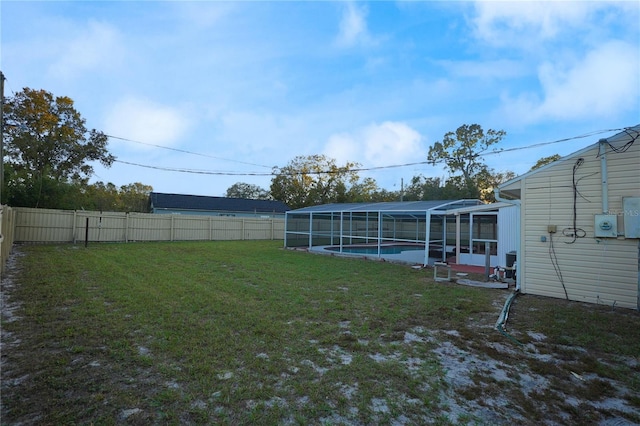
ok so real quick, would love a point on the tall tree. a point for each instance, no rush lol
(311, 180)
(461, 152)
(46, 139)
(248, 190)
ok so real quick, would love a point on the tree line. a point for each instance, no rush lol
(48, 153)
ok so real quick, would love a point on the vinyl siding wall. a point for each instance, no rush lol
(595, 270)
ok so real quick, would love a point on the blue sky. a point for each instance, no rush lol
(251, 85)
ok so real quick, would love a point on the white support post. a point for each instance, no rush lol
(458, 238)
(341, 229)
(379, 233)
(427, 230)
(310, 230)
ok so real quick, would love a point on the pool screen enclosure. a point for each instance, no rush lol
(420, 229)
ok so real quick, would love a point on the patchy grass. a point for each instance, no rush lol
(246, 333)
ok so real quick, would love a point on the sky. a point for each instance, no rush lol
(229, 90)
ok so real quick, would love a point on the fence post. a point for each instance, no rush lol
(171, 237)
(86, 232)
(126, 227)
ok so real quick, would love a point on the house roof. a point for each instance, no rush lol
(164, 201)
(511, 188)
(389, 207)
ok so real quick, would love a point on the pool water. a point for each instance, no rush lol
(395, 249)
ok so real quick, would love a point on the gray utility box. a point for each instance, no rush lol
(605, 226)
(631, 206)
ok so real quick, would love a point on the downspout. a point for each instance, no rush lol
(603, 171)
(517, 203)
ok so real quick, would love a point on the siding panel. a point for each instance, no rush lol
(594, 270)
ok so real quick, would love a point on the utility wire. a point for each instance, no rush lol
(292, 173)
(362, 169)
(185, 151)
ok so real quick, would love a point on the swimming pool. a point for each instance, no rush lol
(388, 249)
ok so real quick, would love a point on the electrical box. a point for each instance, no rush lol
(631, 206)
(606, 226)
(552, 229)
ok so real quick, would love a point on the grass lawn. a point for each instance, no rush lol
(245, 332)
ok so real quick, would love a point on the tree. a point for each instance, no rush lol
(46, 140)
(545, 160)
(313, 179)
(249, 191)
(423, 188)
(489, 179)
(134, 197)
(462, 151)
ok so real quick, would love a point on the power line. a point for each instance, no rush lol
(185, 151)
(293, 173)
(586, 135)
(361, 169)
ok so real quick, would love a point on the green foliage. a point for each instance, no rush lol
(47, 145)
(461, 152)
(317, 179)
(248, 191)
(545, 160)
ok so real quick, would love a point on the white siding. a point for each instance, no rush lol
(593, 270)
(508, 227)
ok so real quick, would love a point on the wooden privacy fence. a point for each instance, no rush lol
(60, 226)
(7, 220)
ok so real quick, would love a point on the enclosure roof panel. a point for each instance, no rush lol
(389, 207)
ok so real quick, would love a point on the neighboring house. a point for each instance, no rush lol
(579, 236)
(215, 206)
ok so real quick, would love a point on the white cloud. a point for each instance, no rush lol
(144, 121)
(516, 23)
(605, 82)
(383, 144)
(353, 26)
(99, 46)
(497, 69)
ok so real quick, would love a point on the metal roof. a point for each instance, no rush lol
(389, 207)
(203, 203)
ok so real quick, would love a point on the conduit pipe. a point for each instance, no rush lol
(502, 319)
(603, 171)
